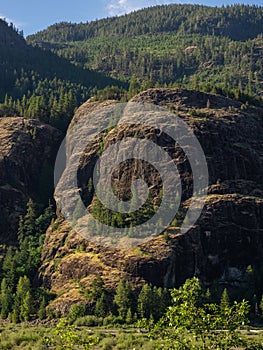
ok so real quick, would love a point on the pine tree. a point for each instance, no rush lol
(21, 230)
(208, 296)
(5, 299)
(44, 220)
(30, 219)
(129, 318)
(152, 302)
(101, 308)
(23, 287)
(134, 87)
(162, 300)
(98, 288)
(15, 316)
(123, 298)
(76, 311)
(145, 301)
(26, 307)
(224, 302)
(9, 269)
(42, 309)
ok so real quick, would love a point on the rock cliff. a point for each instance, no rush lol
(27, 153)
(228, 236)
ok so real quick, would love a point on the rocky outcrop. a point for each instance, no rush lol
(228, 236)
(27, 153)
(229, 132)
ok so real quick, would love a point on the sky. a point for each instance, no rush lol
(32, 16)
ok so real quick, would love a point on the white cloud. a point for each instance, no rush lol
(17, 24)
(120, 7)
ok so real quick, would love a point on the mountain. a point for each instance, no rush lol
(218, 49)
(10, 36)
(38, 84)
(203, 64)
(227, 237)
(35, 84)
(238, 22)
(27, 153)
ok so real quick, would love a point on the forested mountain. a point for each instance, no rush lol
(219, 48)
(10, 36)
(47, 270)
(38, 84)
(236, 22)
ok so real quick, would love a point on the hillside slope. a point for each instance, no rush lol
(9, 36)
(38, 84)
(226, 239)
(236, 22)
(220, 48)
(27, 154)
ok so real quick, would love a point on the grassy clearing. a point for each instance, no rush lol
(46, 337)
(28, 337)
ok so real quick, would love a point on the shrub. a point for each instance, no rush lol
(188, 321)
(112, 320)
(89, 321)
(108, 344)
(76, 311)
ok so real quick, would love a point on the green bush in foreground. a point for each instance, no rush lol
(89, 321)
(189, 324)
(65, 338)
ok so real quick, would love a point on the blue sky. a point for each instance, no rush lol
(32, 16)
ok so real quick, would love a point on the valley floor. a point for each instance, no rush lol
(51, 336)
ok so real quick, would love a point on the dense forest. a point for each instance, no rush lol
(238, 22)
(46, 77)
(38, 84)
(177, 45)
(22, 299)
(197, 45)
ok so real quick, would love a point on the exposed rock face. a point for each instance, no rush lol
(27, 152)
(231, 138)
(227, 237)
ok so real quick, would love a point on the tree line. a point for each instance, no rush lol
(169, 44)
(191, 321)
(239, 22)
(38, 84)
(20, 298)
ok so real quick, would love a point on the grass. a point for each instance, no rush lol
(138, 251)
(31, 337)
(43, 337)
(20, 337)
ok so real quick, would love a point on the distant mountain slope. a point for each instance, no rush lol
(10, 36)
(39, 79)
(186, 44)
(237, 22)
